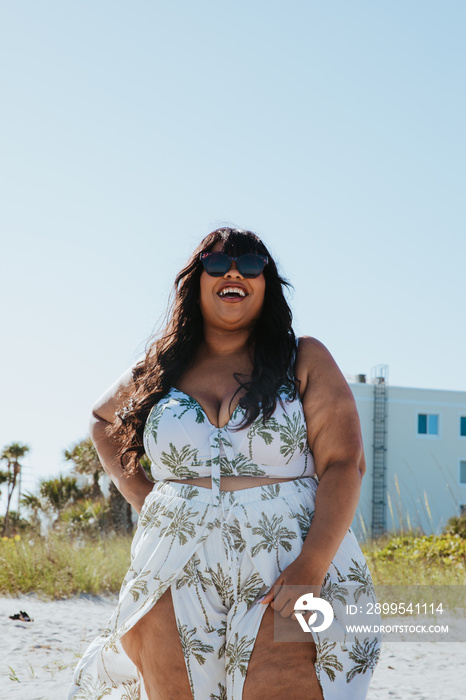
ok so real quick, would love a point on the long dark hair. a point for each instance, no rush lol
(169, 356)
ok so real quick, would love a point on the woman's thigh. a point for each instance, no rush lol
(153, 644)
(284, 669)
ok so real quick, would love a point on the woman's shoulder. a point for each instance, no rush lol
(318, 373)
(311, 353)
(310, 346)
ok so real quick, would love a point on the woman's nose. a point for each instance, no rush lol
(233, 271)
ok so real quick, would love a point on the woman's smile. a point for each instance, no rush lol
(232, 292)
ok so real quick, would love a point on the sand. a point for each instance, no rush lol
(37, 658)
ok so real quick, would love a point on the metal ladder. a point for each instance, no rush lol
(379, 447)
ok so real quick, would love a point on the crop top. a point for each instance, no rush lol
(182, 443)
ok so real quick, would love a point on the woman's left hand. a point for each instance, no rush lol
(295, 581)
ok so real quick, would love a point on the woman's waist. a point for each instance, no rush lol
(233, 483)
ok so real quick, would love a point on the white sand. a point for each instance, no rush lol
(42, 654)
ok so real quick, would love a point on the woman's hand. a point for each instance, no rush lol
(298, 579)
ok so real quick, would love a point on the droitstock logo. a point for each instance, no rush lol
(308, 602)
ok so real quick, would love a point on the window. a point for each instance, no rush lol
(462, 509)
(463, 426)
(427, 423)
(463, 472)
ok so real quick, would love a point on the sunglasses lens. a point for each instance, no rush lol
(216, 264)
(251, 265)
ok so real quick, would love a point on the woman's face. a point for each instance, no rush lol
(235, 310)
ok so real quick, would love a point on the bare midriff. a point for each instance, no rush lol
(234, 483)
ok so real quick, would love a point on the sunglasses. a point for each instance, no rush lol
(250, 265)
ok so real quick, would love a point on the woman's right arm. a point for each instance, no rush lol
(134, 488)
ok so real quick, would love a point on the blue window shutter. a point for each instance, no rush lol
(422, 424)
(432, 424)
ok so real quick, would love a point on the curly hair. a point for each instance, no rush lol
(168, 357)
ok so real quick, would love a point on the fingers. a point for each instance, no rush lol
(281, 599)
(271, 594)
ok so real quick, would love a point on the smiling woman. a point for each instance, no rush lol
(255, 447)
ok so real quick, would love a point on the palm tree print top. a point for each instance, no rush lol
(182, 443)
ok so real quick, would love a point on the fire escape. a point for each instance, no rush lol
(379, 447)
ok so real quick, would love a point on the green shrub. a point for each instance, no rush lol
(448, 549)
(86, 516)
(456, 526)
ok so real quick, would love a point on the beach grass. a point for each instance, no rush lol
(60, 566)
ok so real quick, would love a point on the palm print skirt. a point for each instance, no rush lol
(217, 559)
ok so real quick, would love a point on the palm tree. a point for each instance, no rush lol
(326, 661)
(60, 492)
(333, 591)
(188, 403)
(237, 655)
(270, 491)
(152, 516)
(132, 690)
(152, 423)
(190, 645)
(139, 586)
(179, 461)
(34, 504)
(181, 525)
(242, 466)
(222, 693)
(224, 585)
(258, 428)
(293, 436)
(11, 455)
(304, 518)
(250, 588)
(235, 530)
(365, 657)
(359, 573)
(90, 689)
(274, 535)
(85, 460)
(222, 631)
(193, 576)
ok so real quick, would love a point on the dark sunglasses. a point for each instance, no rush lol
(250, 265)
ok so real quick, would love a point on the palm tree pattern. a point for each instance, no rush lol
(178, 422)
(221, 695)
(326, 661)
(274, 536)
(365, 657)
(216, 557)
(359, 573)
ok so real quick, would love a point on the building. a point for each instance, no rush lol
(415, 445)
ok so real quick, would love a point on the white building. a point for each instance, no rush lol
(415, 446)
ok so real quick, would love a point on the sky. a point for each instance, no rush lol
(334, 130)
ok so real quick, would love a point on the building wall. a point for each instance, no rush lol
(423, 486)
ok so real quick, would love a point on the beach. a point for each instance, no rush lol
(38, 658)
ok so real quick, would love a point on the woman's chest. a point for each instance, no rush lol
(179, 429)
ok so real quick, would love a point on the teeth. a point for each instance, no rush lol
(232, 290)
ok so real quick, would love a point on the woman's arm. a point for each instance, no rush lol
(334, 436)
(134, 488)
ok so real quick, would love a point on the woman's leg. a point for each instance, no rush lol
(154, 646)
(284, 669)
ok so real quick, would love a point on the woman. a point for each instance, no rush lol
(255, 446)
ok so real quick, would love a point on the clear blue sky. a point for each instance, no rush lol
(334, 129)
